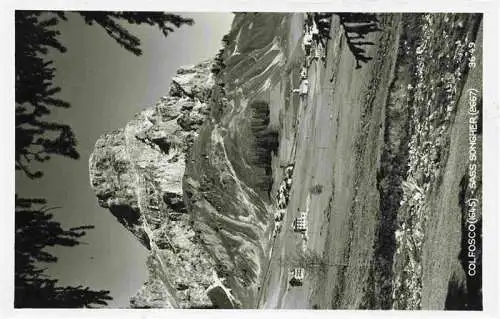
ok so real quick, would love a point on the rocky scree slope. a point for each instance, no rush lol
(228, 175)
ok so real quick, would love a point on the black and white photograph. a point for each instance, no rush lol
(248, 160)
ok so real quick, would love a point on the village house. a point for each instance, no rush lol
(297, 276)
(300, 223)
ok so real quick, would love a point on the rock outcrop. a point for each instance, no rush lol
(137, 172)
(184, 178)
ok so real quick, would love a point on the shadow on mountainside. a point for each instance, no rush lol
(356, 27)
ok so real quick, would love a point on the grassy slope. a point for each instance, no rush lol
(359, 230)
(442, 267)
(230, 212)
(408, 119)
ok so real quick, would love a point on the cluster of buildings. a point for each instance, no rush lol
(313, 47)
(296, 275)
(282, 198)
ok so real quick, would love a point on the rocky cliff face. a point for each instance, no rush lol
(180, 176)
(136, 172)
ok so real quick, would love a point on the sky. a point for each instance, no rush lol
(106, 85)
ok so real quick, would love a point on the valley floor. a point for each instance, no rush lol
(335, 138)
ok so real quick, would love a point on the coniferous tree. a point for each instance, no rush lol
(35, 93)
(37, 138)
(35, 231)
(356, 27)
(264, 143)
(110, 22)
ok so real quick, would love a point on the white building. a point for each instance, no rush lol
(303, 73)
(279, 214)
(319, 52)
(307, 42)
(304, 87)
(314, 29)
(300, 223)
(297, 276)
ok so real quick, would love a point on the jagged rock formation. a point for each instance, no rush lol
(137, 174)
(179, 177)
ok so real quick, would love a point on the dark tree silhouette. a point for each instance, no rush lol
(109, 21)
(356, 26)
(37, 139)
(35, 94)
(264, 142)
(35, 231)
(218, 64)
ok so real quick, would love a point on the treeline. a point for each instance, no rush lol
(392, 171)
(357, 26)
(218, 94)
(265, 142)
(219, 64)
